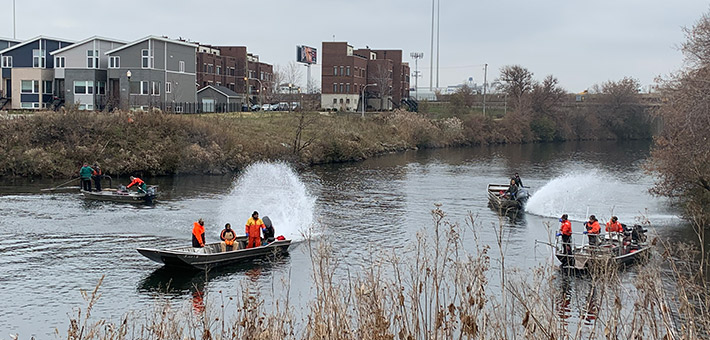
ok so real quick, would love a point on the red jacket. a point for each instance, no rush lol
(614, 227)
(253, 227)
(594, 228)
(198, 233)
(136, 181)
(566, 228)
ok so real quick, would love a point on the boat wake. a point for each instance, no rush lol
(274, 190)
(595, 192)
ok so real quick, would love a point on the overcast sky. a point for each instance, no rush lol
(580, 42)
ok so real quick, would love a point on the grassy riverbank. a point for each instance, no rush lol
(50, 144)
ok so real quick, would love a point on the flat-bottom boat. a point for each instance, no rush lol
(214, 254)
(615, 249)
(123, 196)
(498, 200)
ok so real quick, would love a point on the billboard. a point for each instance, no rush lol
(306, 55)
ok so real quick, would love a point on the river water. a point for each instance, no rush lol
(53, 245)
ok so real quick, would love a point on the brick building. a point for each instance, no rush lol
(228, 66)
(347, 72)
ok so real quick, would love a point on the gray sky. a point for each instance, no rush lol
(580, 43)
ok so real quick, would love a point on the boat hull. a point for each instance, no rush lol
(213, 254)
(116, 196)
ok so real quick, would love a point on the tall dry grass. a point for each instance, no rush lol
(448, 285)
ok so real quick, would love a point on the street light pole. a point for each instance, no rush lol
(261, 90)
(363, 98)
(485, 85)
(416, 56)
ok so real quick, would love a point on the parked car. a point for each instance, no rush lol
(295, 106)
(266, 107)
(256, 107)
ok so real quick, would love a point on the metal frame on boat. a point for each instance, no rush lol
(618, 249)
(214, 254)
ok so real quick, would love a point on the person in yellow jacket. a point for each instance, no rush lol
(253, 230)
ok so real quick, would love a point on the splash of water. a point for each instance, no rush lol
(592, 192)
(274, 190)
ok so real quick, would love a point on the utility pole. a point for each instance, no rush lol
(416, 56)
(431, 62)
(485, 85)
(438, 40)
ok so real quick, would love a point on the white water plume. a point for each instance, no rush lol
(594, 193)
(274, 190)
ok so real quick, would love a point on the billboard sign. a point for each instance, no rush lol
(306, 55)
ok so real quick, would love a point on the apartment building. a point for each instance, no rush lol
(348, 73)
(81, 72)
(7, 42)
(27, 73)
(234, 68)
(152, 72)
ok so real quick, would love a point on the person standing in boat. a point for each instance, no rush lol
(613, 226)
(566, 233)
(140, 185)
(97, 174)
(253, 230)
(85, 174)
(593, 230)
(228, 236)
(518, 181)
(198, 234)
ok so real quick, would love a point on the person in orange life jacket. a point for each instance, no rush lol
(253, 230)
(566, 233)
(613, 226)
(228, 236)
(140, 185)
(593, 230)
(85, 174)
(97, 174)
(198, 234)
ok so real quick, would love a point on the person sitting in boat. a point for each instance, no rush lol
(518, 181)
(85, 174)
(253, 230)
(566, 233)
(512, 191)
(268, 230)
(198, 234)
(228, 236)
(593, 230)
(140, 185)
(613, 226)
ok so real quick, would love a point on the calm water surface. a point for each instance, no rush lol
(54, 245)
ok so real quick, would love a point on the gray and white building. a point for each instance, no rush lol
(152, 72)
(81, 72)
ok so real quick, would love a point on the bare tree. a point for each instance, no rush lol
(681, 154)
(382, 78)
(515, 81)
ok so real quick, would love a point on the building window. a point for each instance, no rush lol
(135, 87)
(47, 88)
(335, 88)
(114, 62)
(342, 70)
(182, 66)
(341, 87)
(347, 70)
(92, 58)
(59, 62)
(168, 87)
(335, 70)
(155, 89)
(7, 61)
(204, 68)
(25, 105)
(210, 68)
(145, 87)
(147, 58)
(30, 86)
(100, 87)
(347, 101)
(347, 88)
(84, 87)
(38, 59)
(219, 69)
(335, 101)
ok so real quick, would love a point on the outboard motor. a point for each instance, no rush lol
(268, 230)
(638, 234)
